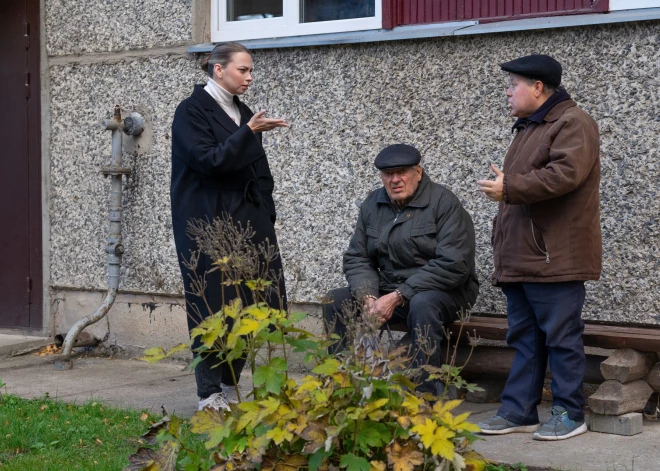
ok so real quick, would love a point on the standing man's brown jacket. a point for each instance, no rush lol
(548, 227)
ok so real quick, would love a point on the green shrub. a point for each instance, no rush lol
(357, 410)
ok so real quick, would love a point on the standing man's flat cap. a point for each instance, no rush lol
(537, 67)
(397, 155)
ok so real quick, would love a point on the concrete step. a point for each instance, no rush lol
(14, 344)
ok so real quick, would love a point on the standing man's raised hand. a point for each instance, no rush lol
(493, 189)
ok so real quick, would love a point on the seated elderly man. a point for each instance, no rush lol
(411, 258)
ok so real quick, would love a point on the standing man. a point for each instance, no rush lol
(411, 258)
(546, 243)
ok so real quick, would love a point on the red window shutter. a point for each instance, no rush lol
(414, 12)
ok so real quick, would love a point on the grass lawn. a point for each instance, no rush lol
(45, 435)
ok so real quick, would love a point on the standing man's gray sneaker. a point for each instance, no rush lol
(499, 426)
(560, 427)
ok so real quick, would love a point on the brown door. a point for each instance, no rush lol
(20, 160)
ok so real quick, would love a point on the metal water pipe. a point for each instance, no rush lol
(132, 125)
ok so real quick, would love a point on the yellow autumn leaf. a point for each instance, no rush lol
(426, 432)
(259, 312)
(309, 383)
(474, 461)
(459, 422)
(279, 435)
(376, 404)
(210, 329)
(245, 326)
(233, 308)
(377, 465)
(441, 407)
(231, 340)
(442, 444)
(411, 403)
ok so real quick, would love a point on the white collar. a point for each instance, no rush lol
(219, 94)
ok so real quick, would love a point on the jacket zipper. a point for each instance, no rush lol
(546, 253)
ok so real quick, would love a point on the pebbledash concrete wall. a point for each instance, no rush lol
(344, 103)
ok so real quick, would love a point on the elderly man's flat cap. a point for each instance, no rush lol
(397, 155)
(537, 67)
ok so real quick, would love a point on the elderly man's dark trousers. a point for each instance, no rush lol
(545, 322)
(425, 314)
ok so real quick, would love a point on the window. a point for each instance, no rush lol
(633, 4)
(257, 19)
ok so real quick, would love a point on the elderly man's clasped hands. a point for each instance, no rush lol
(380, 310)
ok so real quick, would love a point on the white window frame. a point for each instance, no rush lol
(285, 26)
(633, 4)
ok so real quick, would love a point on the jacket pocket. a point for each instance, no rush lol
(423, 242)
(539, 240)
(372, 241)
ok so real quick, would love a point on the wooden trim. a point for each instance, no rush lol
(644, 339)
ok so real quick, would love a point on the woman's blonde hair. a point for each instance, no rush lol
(221, 54)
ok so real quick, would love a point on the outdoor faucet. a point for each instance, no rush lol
(132, 125)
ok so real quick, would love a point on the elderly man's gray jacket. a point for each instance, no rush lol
(427, 245)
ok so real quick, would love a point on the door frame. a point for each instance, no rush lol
(34, 8)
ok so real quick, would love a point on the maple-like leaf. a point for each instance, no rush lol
(245, 326)
(212, 423)
(436, 438)
(442, 444)
(260, 312)
(251, 410)
(459, 423)
(425, 431)
(279, 435)
(411, 403)
(441, 407)
(268, 406)
(403, 458)
(210, 329)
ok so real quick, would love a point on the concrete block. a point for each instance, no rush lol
(615, 398)
(492, 390)
(653, 378)
(627, 365)
(626, 424)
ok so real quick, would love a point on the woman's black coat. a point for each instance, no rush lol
(218, 167)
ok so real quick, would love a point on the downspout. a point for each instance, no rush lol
(132, 126)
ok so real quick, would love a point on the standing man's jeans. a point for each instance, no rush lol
(426, 312)
(545, 321)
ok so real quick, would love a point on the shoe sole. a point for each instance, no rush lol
(578, 431)
(516, 429)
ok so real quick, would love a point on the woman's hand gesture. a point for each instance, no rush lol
(259, 123)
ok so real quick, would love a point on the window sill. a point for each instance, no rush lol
(444, 29)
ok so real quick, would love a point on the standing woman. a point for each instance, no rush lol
(219, 167)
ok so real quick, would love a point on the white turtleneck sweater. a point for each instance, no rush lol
(224, 99)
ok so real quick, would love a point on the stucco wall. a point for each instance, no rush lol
(445, 95)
